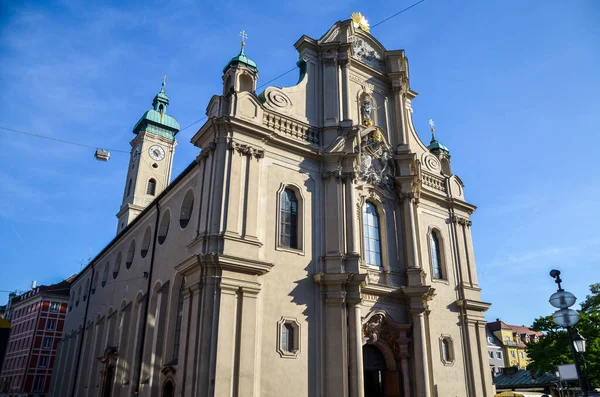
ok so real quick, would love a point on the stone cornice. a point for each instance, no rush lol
(242, 265)
(473, 305)
(246, 149)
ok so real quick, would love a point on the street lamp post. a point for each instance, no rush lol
(567, 318)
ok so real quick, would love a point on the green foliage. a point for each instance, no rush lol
(553, 349)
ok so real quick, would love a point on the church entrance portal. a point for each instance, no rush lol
(374, 368)
(385, 356)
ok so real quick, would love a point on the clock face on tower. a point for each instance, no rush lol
(156, 152)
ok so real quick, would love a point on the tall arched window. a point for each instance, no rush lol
(288, 235)
(436, 258)
(129, 188)
(372, 235)
(151, 188)
(178, 321)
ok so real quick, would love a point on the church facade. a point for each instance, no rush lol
(314, 247)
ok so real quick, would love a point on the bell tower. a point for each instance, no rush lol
(151, 160)
(241, 73)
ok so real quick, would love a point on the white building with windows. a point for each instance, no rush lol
(495, 353)
(314, 247)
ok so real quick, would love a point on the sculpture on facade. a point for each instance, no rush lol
(376, 163)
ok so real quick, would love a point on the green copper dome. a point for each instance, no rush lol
(156, 120)
(435, 147)
(242, 59)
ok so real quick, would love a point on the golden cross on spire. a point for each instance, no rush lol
(432, 124)
(164, 83)
(244, 36)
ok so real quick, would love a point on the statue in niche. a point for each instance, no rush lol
(367, 111)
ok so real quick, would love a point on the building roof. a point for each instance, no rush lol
(241, 59)
(436, 147)
(522, 330)
(524, 378)
(519, 329)
(156, 120)
(62, 288)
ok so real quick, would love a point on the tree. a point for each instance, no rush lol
(553, 349)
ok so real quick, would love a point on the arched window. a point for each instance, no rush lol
(163, 228)
(186, 209)
(129, 188)
(117, 266)
(130, 254)
(436, 258)
(168, 389)
(151, 188)
(105, 274)
(372, 235)
(178, 321)
(288, 227)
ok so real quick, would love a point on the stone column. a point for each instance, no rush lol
(404, 370)
(398, 90)
(95, 375)
(251, 212)
(247, 330)
(189, 339)
(346, 116)
(160, 324)
(335, 334)
(225, 361)
(123, 342)
(334, 219)
(411, 234)
(356, 358)
(421, 364)
(351, 229)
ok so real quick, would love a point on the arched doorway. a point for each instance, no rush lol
(168, 389)
(374, 367)
(385, 356)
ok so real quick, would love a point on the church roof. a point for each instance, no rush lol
(241, 59)
(436, 147)
(156, 120)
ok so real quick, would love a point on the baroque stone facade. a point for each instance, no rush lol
(315, 247)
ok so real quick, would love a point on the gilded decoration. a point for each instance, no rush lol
(359, 21)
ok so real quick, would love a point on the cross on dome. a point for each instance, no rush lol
(244, 36)
(432, 124)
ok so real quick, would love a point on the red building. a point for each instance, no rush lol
(37, 323)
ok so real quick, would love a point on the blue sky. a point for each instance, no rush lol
(512, 86)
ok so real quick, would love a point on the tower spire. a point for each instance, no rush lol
(434, 146)
(244, 36)
(432, 124)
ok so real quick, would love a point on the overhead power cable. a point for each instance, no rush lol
(61, 140)
(398, 13)
(203, 117)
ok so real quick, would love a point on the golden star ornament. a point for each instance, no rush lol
(359, 21)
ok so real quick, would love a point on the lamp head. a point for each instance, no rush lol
(554, 273)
